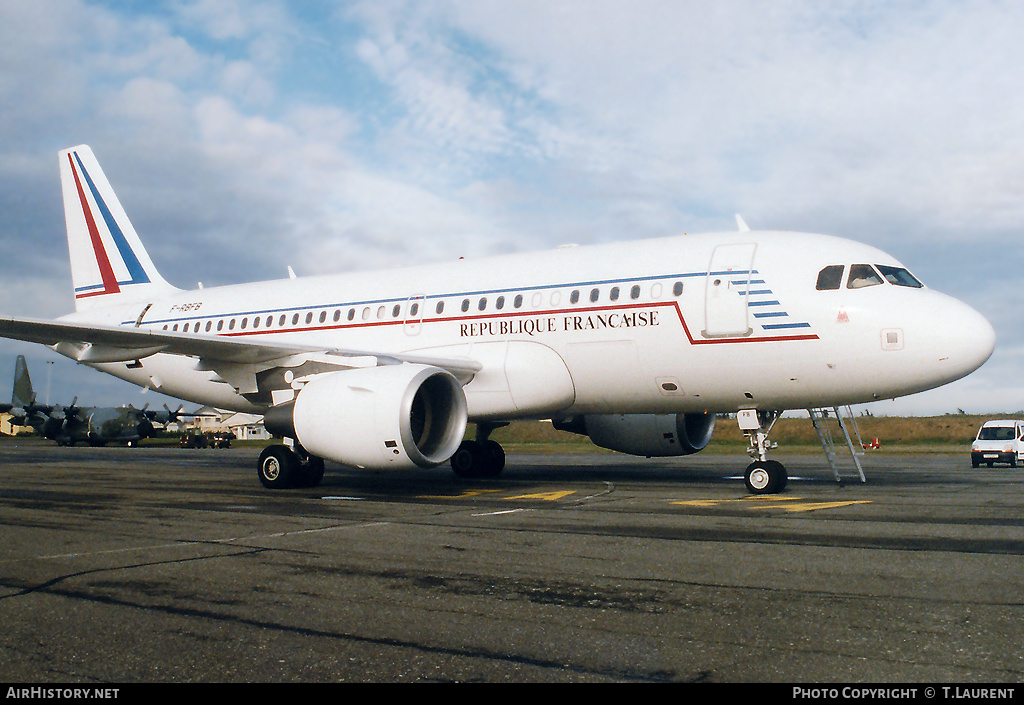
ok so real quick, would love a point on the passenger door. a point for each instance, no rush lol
(726, 290)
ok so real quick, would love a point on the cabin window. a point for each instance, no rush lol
(220, 324)
(309, 318)
(323, 316)
(381, 312)
(295, 319)
(366, 313)
(255, 321)
(351, 314)
(518, 301)
(634, 293)
(830, 277)
(614, 293)
(414, 309)
(595, 294)
(396, 310)
(862, 275)
(270, 321)
(440, 307)
(677, 289)
(482, 305)
(231, 324)
(209, 324)
(337, 315)
(574, 297)
(499, 303)
(465, 305)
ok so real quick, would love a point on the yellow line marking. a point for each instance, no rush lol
(812, 506)
(549, 496)
(464, 493)
(789, 504)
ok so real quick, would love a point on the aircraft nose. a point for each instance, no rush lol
(967, 338)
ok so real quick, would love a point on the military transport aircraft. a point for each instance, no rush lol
(637, 344)
(71, 424)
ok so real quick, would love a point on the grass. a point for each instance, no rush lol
(935, 434)
(951, 433)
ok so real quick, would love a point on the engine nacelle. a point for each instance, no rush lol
(392, 416)
(650, 435)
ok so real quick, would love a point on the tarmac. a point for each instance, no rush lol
(166, 565)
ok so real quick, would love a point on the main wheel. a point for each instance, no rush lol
(475, 460)
(310, 472)
(495, 458)
(467, 459)
(278, 467)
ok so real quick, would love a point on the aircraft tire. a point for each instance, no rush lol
(474, 460)
(467, 459)
(310, 473)
(765, 477)
(278, 467)
(495, 457)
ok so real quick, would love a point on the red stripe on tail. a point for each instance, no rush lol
(106, 271)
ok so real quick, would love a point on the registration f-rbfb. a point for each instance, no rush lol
(638, 345)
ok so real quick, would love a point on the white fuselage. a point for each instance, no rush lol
(658, 326)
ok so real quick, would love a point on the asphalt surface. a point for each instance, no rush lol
(149, 565)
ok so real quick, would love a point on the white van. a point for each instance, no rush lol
(999, 442)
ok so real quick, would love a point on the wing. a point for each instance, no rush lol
(238, 360)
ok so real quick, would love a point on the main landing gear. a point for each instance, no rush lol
(482, 457)
(763, 476)
(282, 466)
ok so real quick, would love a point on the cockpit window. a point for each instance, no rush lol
(899, 276)
(830, 277)
(862, 275)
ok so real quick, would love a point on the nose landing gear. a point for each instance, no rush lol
(763, 476)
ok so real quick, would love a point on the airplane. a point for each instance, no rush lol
(71, 424)
(638, 345)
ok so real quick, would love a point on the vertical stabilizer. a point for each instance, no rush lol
(23, 395)
(109, 265)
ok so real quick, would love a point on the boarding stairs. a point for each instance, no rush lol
(845, 421)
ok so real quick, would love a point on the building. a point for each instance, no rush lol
(211, 420)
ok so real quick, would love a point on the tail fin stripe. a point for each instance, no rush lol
(135, 270)
(106, 271)
(109, 263)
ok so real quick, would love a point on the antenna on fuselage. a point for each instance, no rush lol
(744, 228)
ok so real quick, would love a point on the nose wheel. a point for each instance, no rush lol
(763, 476)
(766, 477)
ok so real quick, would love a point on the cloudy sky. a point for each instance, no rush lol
(244, 136)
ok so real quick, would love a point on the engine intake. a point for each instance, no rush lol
(404, 415)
